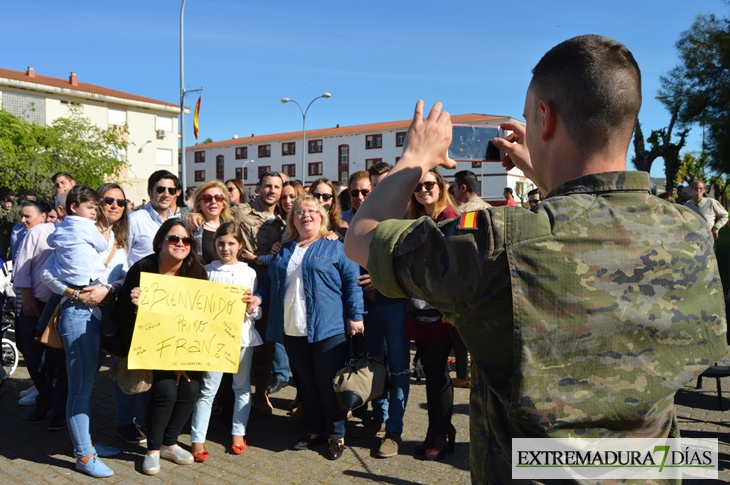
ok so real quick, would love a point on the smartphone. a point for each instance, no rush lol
(474, 142)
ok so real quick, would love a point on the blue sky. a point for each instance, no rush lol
(376, 58)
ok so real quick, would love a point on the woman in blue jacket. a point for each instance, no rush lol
(315, 301)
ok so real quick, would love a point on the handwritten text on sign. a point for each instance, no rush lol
(187, 324)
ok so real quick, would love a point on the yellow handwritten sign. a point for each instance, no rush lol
(187, 324)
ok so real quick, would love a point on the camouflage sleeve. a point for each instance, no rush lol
(443, 264)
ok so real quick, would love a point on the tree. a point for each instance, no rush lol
(704, 74)
(30, 153)
(692, 168)
(661, 146)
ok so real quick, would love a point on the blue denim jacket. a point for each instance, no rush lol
(330, 290)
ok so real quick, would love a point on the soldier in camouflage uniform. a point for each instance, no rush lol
(584, 316)
(262, 227)
(465, 192)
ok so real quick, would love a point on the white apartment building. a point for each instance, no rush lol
(335, 153)
(152, 124)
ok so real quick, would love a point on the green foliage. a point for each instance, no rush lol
(702, 82)
(692, 168)
(30, 154)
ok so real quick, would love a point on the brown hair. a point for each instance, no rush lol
(298, 189)
(357, 176)
(229, 229)
(594, 83)
(239, 186)
(416, 209)
(121, 227)
(335, 211)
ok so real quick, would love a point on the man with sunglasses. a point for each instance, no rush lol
(534, 197)
(572, 312)
(262, 227)
(359, 187)
(163, 188)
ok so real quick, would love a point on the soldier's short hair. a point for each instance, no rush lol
(269, 174)
(380, 168)
(594, 83)
(468, 178)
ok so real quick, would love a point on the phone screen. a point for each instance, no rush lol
(473, 142)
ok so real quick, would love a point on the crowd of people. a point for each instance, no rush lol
(531, 294)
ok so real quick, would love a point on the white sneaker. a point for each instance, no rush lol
(28, 391)
(29, 399)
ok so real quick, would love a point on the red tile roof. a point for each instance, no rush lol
(346, 130)
(80, 87)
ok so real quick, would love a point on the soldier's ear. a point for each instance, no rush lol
(547, 119)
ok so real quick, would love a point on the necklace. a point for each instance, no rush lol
(211, 225)
(102, 231)
(307, 242)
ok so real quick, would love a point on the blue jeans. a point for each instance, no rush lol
(315, 365)
(281, 363)
(386, 324)
(209, 387)
(81, 335)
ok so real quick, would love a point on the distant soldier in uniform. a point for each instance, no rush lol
(262, 227)
(711, 210)
(572, 312)
(465, 192)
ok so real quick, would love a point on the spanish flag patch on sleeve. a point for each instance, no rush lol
(468, 220)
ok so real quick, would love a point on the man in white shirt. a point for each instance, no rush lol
(712, 211)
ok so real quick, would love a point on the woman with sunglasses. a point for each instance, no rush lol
(173, 392)
(86, 314)
(236, 192)
(211, 209)
(315, 302)
(324, 191)
(434, 343)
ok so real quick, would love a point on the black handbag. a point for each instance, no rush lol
(363, 379)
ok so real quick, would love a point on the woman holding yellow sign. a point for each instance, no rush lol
(173, 392)
(315, 299)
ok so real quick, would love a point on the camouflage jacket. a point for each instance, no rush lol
(260, 229)
(473, 204)
(582, 318)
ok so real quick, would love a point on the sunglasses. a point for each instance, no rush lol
(428, 185)
(301, 212)
(111, 200)
(207, 198)
(356, 192)
(324, 197)
(533, 202)
(170, 190)
(232, 188)
(173, 239)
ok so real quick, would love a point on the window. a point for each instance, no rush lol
(163, 156)
(315, 146)
(369, 162)
(373, 141)
(344, 176)
(199, 157)
(239, 173)
(400, 138)
(245, 173)
(219, 166)
(200, 175)
(241, 153)
(289, 169)
(397, 159)
(343, 155)
(263, 170)
(117, 116)
(163, 123)
(288, 149)
(264, 151)
(315, 168)
(476, 164)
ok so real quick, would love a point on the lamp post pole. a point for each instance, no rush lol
(304, 127)
(183, 174)
(243, 169)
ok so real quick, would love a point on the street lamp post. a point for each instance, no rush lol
(243, 167)
(304, 127)
(183, 92)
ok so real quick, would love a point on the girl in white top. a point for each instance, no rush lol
(228, 245)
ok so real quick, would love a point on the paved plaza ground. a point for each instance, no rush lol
(30, 454)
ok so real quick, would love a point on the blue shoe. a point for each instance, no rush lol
(95, 468)
(104, 451)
